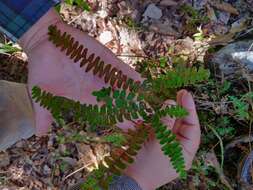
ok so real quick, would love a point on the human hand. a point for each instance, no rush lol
(53, 71)
(152, 168)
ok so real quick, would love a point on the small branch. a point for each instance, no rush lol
(78, 170)
(221, 145)
(134, 56)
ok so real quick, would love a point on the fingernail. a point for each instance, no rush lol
(187, 100)
(169, 103)
(180, 96)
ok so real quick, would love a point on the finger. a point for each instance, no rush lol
(188, 129)
(43, 120)
(185, 99)
(126, 125)
(189, 137)
(168, 121)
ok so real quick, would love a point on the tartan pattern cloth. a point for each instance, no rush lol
(17, 16)
(119, 183)
(124, 183)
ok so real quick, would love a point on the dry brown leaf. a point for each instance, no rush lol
(225, 39)
(223, 6)
(211, 14)
(222, 39)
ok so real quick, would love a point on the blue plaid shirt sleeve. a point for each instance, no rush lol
(17, 16)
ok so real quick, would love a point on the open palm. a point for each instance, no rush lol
(53, 71)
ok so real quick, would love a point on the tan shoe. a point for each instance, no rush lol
(16, 114)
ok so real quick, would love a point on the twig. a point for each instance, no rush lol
(75, 18)
(250, 47)
(135, 56)
(78, 170)
(221, 145)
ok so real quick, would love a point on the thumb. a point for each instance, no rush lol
(188, 129)
(43, 120)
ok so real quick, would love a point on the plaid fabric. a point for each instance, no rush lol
(17, 16)
(119, 183)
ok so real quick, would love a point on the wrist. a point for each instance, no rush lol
(38, 32)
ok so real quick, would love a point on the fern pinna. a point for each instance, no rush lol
(126, 99)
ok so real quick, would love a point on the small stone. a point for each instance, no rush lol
(62, 148)
(71, 161)
(224, 17)
(4, 159)
(168, 3)
(152, 12)
(164, 28)
(83, 149)
(103, 13)
(105, 37)
(46, 170)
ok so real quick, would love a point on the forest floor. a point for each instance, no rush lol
(150, 35)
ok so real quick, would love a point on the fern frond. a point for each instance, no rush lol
(116, 109)
(128, 106)
(89, 61)
(125, 108)
(170, 146)
(173, 111)
(83, 113)
(180, 77)
(119, 159)
(117, 139)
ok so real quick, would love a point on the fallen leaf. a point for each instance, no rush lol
(225, 39)
(211, 14)
(223, 6)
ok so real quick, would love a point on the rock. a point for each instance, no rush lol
(250, 4)
(102, 13)
(234, 57)
(105, 37)
(224, 17)
(71, 161)
(62, 149)
(4, 159)
(168, 3)
(152, 12)
(46, 170)
(164, 28)
(200, 4)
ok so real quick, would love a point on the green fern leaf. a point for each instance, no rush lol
(173, 111)
(170, 146)
(180, 77)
